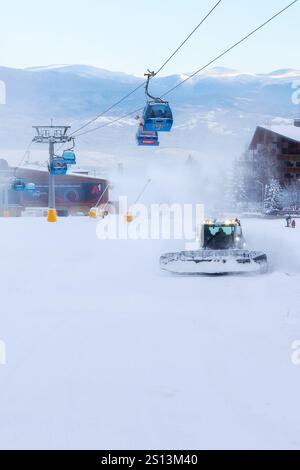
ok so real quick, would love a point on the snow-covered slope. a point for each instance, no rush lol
(105, 351)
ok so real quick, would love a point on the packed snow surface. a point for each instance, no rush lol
(105, 351)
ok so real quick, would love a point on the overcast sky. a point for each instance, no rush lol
(133, 35)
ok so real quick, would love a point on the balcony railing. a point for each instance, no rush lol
(295, 170)
(290, 157)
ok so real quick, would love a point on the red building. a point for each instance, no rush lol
(75, 192)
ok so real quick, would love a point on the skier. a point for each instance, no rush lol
(294, 223)
(288, 221)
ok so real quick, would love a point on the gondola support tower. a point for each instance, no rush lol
(51, 135)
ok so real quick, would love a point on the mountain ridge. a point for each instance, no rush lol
(220, 107)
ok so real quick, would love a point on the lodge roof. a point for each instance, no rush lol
(289, 132)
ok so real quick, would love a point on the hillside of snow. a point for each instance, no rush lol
(105, 351)
(217, 110)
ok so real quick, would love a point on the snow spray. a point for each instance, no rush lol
(2, 353)
(295, 358)
(2, 92)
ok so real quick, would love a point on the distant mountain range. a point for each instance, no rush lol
(215, 111)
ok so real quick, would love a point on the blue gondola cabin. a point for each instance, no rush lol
(58, 166)
(157, 117)
(69, 157)
(18, 185)
(149, 139)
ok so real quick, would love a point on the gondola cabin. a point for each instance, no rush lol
(69, 157)
(58, 166)
(149, 139)
(30, 187)
(157, 117)
(18, 185)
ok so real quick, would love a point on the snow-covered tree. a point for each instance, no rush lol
(238, 184)
(229, 199)
(290, 197)
(273, 196)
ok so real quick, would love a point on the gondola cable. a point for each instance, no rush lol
(154, 73)
(188, 37)
(26, 153)
(230, 48)
(107, 110)
(197, 71)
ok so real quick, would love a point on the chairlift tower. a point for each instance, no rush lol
(52, 135)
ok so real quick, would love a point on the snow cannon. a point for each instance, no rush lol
(52, 216)
(222, 250)
(93, 213)
(129, 218)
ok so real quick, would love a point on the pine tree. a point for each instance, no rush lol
(273, 196)
(235, 189)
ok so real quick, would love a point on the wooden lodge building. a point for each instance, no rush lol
(274, 152)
